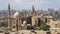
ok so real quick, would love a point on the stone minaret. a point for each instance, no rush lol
(8, 15)
(33, 11)
(33, 14)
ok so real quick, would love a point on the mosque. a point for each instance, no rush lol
(25, 22)
(19, 22)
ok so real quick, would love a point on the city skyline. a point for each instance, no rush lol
(27, 4)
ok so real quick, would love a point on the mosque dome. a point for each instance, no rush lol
(17, 14)
(24, 22)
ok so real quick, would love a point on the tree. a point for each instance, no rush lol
(33, 27)
(44, 27)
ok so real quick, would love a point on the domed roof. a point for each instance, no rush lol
(24, 22)
(17, 14)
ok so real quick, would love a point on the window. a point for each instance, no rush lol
(13, 26)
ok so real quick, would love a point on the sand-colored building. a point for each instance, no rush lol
(19, 22)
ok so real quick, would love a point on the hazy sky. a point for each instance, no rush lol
(27, 4)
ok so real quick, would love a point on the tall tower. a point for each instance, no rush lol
(33, 15)
(8, 15)
(33, 11)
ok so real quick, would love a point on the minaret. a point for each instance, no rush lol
(9, 10)
(33, 14)
(33, 11)
(9, 15)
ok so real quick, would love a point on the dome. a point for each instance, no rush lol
(16, 15)
(24, 22)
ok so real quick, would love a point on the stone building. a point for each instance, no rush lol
(19, 22)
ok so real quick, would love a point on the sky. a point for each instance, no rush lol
(27, 4)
